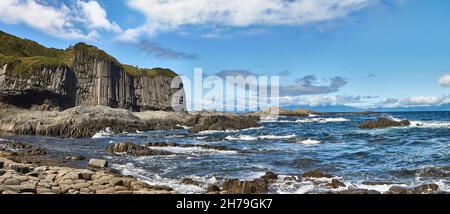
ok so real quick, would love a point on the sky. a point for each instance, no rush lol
(363, 53)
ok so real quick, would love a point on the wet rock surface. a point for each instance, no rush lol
(383, 122)
(316, 174)
(134, 150)
(223, 122)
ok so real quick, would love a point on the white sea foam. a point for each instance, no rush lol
(261, 137)
(193, 150)
(322, 120)
(228, 130)
(241, 137)
(157, 180)
(184, 127)
(275, 137)
(309, 142)
(103, 134)
(430, 124)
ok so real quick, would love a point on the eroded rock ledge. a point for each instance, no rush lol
(84, 122)
(46, 177)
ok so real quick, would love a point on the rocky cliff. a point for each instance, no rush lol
(33, 76)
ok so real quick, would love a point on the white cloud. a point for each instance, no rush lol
(80, 21)
(164, 15)
(95, 16)
(413, 101)
(320, 100)
(444, 80)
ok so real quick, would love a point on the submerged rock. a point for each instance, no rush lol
(134, 149)
(316, 174)
(383, 122)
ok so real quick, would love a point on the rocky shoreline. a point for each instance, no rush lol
(84, 122)
(27, 169)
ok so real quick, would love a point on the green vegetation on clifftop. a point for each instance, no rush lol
(24, 56)
(139, 72)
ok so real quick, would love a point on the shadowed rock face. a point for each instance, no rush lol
(383, 123)
(83, 76)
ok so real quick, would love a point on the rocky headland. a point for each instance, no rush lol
(82, 90)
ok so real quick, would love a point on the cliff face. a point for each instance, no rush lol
(50, 88)
(82, 76)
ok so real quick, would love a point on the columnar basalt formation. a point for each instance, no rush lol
(82, 75)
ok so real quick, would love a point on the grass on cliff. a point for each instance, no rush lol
(24, 56)
(25, 66)
(14, 46)
(140, 72)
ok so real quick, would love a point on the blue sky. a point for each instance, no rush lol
(384, 53)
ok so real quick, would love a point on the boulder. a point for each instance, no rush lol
(212, 188)
(426, 188)
(134, 150)
(269, 176)
(20, 168)
(401, 190)
(188, 181)
(235, 186)
(335, 183)
(383, 122)
(316, 174)
(98, 163)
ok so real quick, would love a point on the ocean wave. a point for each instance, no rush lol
(276, 137)
(228, 130)
(309, 142)
(194, 150)
(261, 137)
(184, 127)
(241, 137)
(103, 134)
(430, 124)
(157, 180)
(322, 120)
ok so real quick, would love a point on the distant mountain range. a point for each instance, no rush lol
(344, 108)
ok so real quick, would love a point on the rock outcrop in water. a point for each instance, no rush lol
(224, 122)
(33, 76)
(383, 122)
(134, 149)
(285, 112)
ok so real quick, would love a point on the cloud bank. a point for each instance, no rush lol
(308, 85)
(80, 20)
(167, 15)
